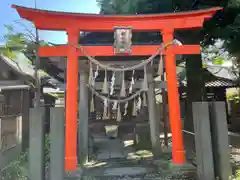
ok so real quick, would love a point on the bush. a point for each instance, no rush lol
(18, 169)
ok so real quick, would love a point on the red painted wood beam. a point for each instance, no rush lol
(48, 51)
(178, 154)
(52, 20)
(55, 24)
(71, 104)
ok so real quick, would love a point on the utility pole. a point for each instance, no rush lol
(36, 68)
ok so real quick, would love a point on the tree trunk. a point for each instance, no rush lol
(195, 87)
(194, 72)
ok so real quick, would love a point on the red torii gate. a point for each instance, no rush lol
(73, 23)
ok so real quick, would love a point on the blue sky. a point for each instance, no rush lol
(8, 15)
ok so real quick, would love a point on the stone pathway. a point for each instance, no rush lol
(120, 168)
(112, 163)
(109, 148)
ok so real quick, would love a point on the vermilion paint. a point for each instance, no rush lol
(73, 23)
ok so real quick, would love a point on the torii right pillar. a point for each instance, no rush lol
(178, 154)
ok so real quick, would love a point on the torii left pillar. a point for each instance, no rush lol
(71, 101)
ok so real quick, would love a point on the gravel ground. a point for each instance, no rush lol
(155, 175)
(234, 140)
(148, 176)
(125, 168)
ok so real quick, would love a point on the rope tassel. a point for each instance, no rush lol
(132, 83)
(95, 75)
(134, 110)
(105, 84)
(92, 108)
(96, 72)
(144, 83)
(123, 88)
(119, 115)
(125, 108)
(115, 105)
(90, 78)
(144, 100)
(160, 65)
(112, 84)
(109, 110)
(139, 103)
(105, 109)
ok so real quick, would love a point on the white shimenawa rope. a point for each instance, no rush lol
(132, 68)
(104, 98)
(95, 92)
(106, 67)
(137, 66)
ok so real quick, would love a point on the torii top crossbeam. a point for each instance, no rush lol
(51, 20)
(73, 23)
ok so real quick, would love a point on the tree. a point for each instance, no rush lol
(26, 42)
(118, 7)
(225, 27)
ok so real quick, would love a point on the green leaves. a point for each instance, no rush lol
(204, 66)
(135, 6)
(118, 6)
(225, 25)
(43, 43)
(7, 52)
(234, 3)
(14, 41)
(218, 60)
(9, 28)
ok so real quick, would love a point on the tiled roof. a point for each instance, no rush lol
(22, 65)
(216, 82)
(220, 83)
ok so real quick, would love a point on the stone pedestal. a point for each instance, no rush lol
(154, 122)
(36, 144)
(203, 141)
(83, 119)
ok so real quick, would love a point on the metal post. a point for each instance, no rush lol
(36, 144)
(203, 141)
(57, 121)
(83, 118)
(154, 125)
(220, 140)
